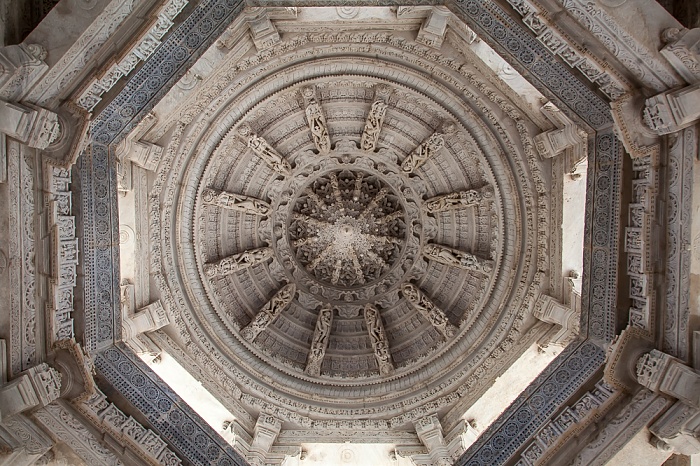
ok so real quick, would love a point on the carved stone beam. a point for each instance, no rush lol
(377, 336)
(267, 428)
(264, 150)
(319, 341)
(269, 312)
(549, 310)
(27, 443)
(375, 118)
(239, 202)
(672, 111)
(237, 262)
(428, 310)
(428, 148)
(34, 126)
(21, 66)
(316, 120)
(432, 31)
(682, 50)
(662, 373)
(429, 432)
(456, 258)
(458, 200)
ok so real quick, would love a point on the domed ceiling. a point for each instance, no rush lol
(348, 228)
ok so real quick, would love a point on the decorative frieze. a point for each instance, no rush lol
(64, 257)
(140, 51)
(572, 54)
(127, 430)
(572, 418)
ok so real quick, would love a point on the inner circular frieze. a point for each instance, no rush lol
(347, 228)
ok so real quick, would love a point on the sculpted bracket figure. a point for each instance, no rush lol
(377, 336)
(274, 307)
(457, 200)
(427, 309)
(317, 121)
(456, 258)
(319, 342)
(375, 118)
(264, 150)
(226, 200)
(238, 262)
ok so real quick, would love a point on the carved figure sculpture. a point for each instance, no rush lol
(319, 342)
(318, 127)
(423, 152)
(457, 200)
(375, 328)
(233, 201)
(264, 150)
(455, 258)
(427, 309)
(274, 307)
(237, 262)
(373, 125)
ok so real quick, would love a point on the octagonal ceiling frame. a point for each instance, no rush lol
(580, 364)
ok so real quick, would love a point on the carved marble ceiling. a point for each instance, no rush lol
(351, 226)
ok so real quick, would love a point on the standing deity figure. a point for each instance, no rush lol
(238, 202)
(380, 345)
(423, 152)
(238, 262)
(373, 125)
(428, 310)
(272, 309)
(319, 342)
(455, 258)
(264, 150)
(457, 200)
(318, 127)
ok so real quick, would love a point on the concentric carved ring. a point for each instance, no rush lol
(347, 228)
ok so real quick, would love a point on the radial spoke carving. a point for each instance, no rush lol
(316, 121)
(457, 200)
(375, 119)
(428, 310)
(456, 258)
(238, 262)
(377, 336)
(239, 202)
(319, 342)
(348, 228)
(269, 312)
(264, 150)
(427, 148)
